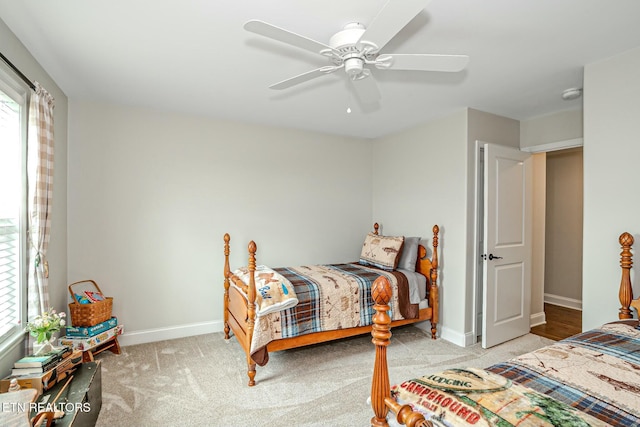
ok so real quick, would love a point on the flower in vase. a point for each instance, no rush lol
(44, 325)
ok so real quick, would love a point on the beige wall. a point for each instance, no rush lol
(611, 176)
(561, 126)
(544, 134)
(152, 193)
(11, 47)
(563, 255)
(436, 185)
(485, 128)
(425, 188)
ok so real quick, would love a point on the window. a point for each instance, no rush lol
(13, 277)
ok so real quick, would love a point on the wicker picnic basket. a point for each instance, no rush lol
(89, 314)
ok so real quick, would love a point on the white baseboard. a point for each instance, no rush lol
(161, 334)
(537, 319)
(173, 332)
(563, 301)
(461, 340)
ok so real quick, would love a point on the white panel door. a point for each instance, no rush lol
(507, 244)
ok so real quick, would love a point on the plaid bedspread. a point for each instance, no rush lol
(330, 297)
(597, 372)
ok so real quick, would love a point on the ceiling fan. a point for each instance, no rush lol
(356, 48)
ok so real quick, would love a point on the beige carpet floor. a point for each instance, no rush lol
(201, 381)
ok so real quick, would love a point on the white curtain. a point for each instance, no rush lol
(40, 192)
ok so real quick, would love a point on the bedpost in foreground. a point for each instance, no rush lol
(227, 238)
(381, 400)
(626, 291)
(380, 388)
(433, 289)
(251, 314)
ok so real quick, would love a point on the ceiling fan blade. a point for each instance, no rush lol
(280, 34)
(391, 19)
(424, 62)
(366, 90)
(301, 78)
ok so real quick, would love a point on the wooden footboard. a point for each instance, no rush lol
(240, 312)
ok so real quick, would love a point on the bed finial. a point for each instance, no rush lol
(376, 226)
(626, 291)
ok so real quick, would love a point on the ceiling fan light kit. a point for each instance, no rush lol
(357, 47)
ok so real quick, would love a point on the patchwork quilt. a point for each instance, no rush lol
(330, 297)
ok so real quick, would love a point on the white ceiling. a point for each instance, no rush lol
(193, 56)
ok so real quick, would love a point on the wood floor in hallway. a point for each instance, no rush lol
(562, 322)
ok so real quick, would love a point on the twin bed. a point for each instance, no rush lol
(590, 379)
(282, 308)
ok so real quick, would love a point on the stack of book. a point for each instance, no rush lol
(37, 364)
(43, 371)
(88, 337)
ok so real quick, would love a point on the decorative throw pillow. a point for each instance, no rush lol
(409, 255)
(381, 251)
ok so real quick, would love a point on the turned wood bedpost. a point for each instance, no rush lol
(380, 388)
(626, 291)
(227, 270)
(433, 289)
(376, 226)
(251, 312)
(381, 400)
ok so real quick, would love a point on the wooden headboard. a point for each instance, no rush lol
(425, 266)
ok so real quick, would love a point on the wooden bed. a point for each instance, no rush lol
(592, 378)
(240, 315)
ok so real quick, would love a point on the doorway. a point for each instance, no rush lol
(561, 274)
(557, 255)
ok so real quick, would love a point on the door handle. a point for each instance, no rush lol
(492, 257)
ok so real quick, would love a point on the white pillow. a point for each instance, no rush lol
(409, 255)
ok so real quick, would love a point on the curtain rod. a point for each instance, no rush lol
(18, 72)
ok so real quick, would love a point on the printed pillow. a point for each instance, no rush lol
(381, 251)
(409, 255)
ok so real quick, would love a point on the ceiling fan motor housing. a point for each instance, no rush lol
(346, 42)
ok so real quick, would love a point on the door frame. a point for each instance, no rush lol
(478, 223)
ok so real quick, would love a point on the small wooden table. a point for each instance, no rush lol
(111, 344)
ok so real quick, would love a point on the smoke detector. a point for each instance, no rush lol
(572, 93)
